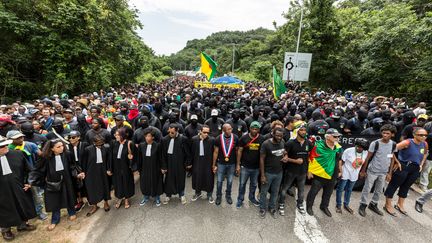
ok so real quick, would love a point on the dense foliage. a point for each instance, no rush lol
(379, 46)
(70, 46)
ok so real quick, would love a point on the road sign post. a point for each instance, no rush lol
(297, 66)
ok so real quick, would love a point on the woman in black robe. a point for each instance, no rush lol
(149, 166)
(123, 180)
(16, 199)
(55, 167)
(96, 168)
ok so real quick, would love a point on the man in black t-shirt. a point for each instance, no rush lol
(296, 169)
(271, 158)
(248, 162)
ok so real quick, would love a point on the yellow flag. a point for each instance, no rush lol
(208, 66)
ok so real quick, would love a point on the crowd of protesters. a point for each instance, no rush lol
(65, 152)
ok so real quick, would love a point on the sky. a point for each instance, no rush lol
(169, 24)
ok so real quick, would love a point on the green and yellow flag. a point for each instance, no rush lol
(208, 66)
(278, 85)
(322, 159)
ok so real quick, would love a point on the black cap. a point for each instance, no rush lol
(74, 134)
(119, 118)
(333, 132)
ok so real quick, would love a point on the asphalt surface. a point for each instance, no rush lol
(200, 221)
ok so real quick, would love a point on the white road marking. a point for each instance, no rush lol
(307, 229)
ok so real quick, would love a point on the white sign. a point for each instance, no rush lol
(297, 66)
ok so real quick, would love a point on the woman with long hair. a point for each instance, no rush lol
(56, 167)
(122, 157)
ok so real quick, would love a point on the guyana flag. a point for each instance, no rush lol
(322, 159)
(278, 85)
(208, 66)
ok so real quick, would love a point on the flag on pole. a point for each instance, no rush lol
(208, 66)
(278, 85)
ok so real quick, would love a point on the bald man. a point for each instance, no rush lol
(224, 160)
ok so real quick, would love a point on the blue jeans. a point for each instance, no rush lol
(347, 186)
(55, 217)
(222, 170)
(245, 174)
(273, 182)
(38, 199)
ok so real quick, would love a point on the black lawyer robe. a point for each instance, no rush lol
(65, 198)
(175, 164)
(96, 178)
(149, 168)
(123, 180)
(79, 184)
(16, 205)
(202, 174)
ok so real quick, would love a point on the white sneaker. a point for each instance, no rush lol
(183, 200)
(166, 200)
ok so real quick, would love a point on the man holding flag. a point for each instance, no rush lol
(323, 168)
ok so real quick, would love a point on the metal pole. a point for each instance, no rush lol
(298, 41)
(233, 61)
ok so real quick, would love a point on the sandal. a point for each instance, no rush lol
(92, 211)
(391, 213)
(127, 204)
(107, 209)
(119, 203)
(400, 210)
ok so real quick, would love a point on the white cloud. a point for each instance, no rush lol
(220, 14)
(205, 17)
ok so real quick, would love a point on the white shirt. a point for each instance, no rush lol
(353, 162)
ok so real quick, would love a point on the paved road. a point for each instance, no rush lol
(203, 222)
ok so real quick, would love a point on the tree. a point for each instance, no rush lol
(69, 46)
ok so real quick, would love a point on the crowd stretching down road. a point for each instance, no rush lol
(63, 152)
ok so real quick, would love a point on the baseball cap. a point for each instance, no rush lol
(333, 132)
(119, 118)
(4, 141)
(194, 117)
(422, 116)
(377, 120)
(14, 134)
(255, 124)
(214, 112)
(74, 134)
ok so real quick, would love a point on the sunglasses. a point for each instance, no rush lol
(3, 146)
(73, 137)
(336, 136)
(205, 132)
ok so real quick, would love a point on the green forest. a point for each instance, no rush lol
(71, 46)
(378, 46)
